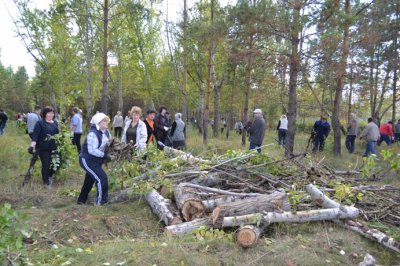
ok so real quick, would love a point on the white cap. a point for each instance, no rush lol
(96, 119)
(258, 110)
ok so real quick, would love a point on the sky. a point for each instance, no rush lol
(14, 54)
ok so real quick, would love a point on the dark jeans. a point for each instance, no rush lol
(77, 141)
(397, 137)
(386, 138)
(178, 144)
(253, 146)
(94, 174)
(282, 133)
(118, 132)
(2, 127)
(319, 143)
(47, 167)
(350, 143)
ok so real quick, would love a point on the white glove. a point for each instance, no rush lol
(166, 128)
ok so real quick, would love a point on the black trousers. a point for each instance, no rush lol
(94, 175)
(118, 132)
(47, 169)
(77, 141)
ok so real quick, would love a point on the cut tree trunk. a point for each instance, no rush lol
(275, 202)
(162, 208)
(188, 227)
(248, 235)
(212, 203)
(189, 203)
(220, 191)
(291, 217)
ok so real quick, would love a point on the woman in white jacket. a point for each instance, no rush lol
(135, 130)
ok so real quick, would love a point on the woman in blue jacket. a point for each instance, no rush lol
(92, 157)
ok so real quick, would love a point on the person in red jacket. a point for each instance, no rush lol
(386, 131)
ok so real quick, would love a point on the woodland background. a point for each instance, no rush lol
(303, 58)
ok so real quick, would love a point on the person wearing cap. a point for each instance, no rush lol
(321, 131)
(149, 121)
(135, 130)
(92, 157)
(118, 123)
(178, 132)
(257, 131)
(43, 144)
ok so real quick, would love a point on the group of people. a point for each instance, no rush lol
(41, 126)
(372, 134)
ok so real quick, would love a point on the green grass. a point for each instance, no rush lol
(129, 234)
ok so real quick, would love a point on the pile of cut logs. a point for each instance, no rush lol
(233, 194)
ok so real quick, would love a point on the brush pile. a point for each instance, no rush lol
(249, 191)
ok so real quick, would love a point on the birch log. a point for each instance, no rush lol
(275, 202)
(162, 208)
(189, 203)
(373, 234)
(248, 235)
(291, 217)
(188, 227)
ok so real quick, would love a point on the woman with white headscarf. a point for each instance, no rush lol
(92, 157)
(178, 132)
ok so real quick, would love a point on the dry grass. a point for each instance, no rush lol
(129, 234)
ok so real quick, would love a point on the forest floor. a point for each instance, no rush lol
(64, 233)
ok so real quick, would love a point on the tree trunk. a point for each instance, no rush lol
(337, 137)
(293, 73)
(188, 203)
(120, 94)
(249, 69)
(208, 85)
(275, 202)
(185, 62)
(211, 204)
(162, 208)
(88, 67)
(395, 65)
(104, 94)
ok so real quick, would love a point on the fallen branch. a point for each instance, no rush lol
(374, 234)
(220, 191)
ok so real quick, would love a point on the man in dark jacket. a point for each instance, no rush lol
(257, 131)
(161, 125)
(3, 121)
(321, 131)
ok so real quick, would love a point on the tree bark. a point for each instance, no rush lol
(162, 208)
(188, 227)
(290, 217)
(208, 84)
(275, 202)
(185, 62)
(293, 75)
(104, 94)
(337, 137)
